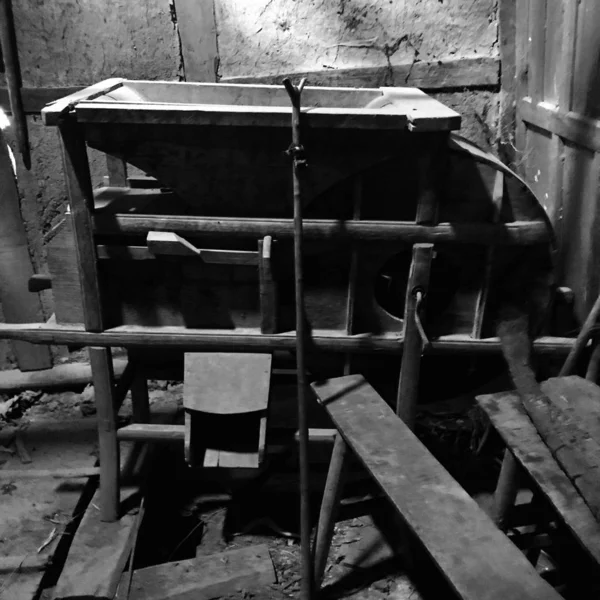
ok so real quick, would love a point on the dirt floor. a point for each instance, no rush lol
(205, 512)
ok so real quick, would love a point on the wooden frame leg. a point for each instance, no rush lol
(329, 507)
(103, 378)
(506, 489)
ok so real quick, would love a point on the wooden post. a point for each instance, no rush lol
(108, 445)
(329, 506)
(268, 292)
(81, 198)
(506, 489)
(408, 384)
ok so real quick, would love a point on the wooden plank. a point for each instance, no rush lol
(81, 198)
(422, 119)
(52, 115)
(268, 287)
(198, 34)
(566, 64)
(522, 77)
(568, 125)
(429, 499)
(18, 304)
(248, 340)
(507, 24)
(100, 550)
(226, 383)
(145, 432)
(408, 384)
(508, 417)
(537, 45)
(476, 71)
(205, 577)
(553, 50)
(518, 233)
(60, 376)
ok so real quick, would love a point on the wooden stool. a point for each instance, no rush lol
(445, 519)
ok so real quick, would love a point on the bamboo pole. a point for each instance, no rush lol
(299, 164)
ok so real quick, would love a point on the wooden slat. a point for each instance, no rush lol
(198, 34)
(537, 45)
(568, 125)
(507, 23)
(251, 340)
(205, 577)
(267, 285)
(553, 51)
(143, 432)
(18, 304)
(226, 383)
(436, 75)
(477, 560)
(520, 435)
(51, 115)
(586, 86)
(517, 233)
(522, 76)
(81, 198)
(566, 62)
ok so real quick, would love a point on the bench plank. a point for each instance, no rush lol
(476, 558)
(518, 432)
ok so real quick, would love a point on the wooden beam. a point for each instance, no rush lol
(132, 336)
(18, 304)
(507, 23)
(437, 75)
(518, 233)
(198, 35)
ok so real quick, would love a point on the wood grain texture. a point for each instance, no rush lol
(226, 383)
(429, 499)
(79, 189)
(198, 34)
(18, 304)
(205, 577)
(509, 419)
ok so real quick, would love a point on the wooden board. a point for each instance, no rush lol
(508, 417)
(100, 550)
(205, 577)
(478, 561)
(198, 34)
(227, 383)
(18, 304)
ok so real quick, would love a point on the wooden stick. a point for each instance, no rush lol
(408, 384)
(524, 233)
(10, 53)
(101, 362)
(582, 340)
(299, 163)
(131, 336)
(506, 489)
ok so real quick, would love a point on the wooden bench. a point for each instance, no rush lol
(478, 561)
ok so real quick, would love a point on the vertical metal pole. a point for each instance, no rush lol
(296, 152)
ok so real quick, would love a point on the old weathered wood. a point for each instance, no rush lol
(81, 198)
(100, 550)
(60, 376)
(133, 336)
(437, 75)
(35, 562)
(534, 457)
(518, 233)
(205, 577)
(18, 304)
(10, 57)
(429, 499)
(14, 474)
(108, 446)
(198, 34)
(53, 114)
(408, 384)
(143, 432)
(268, 286)
(507, 10)
(226, 383)
(506, 489)
(332, 493)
